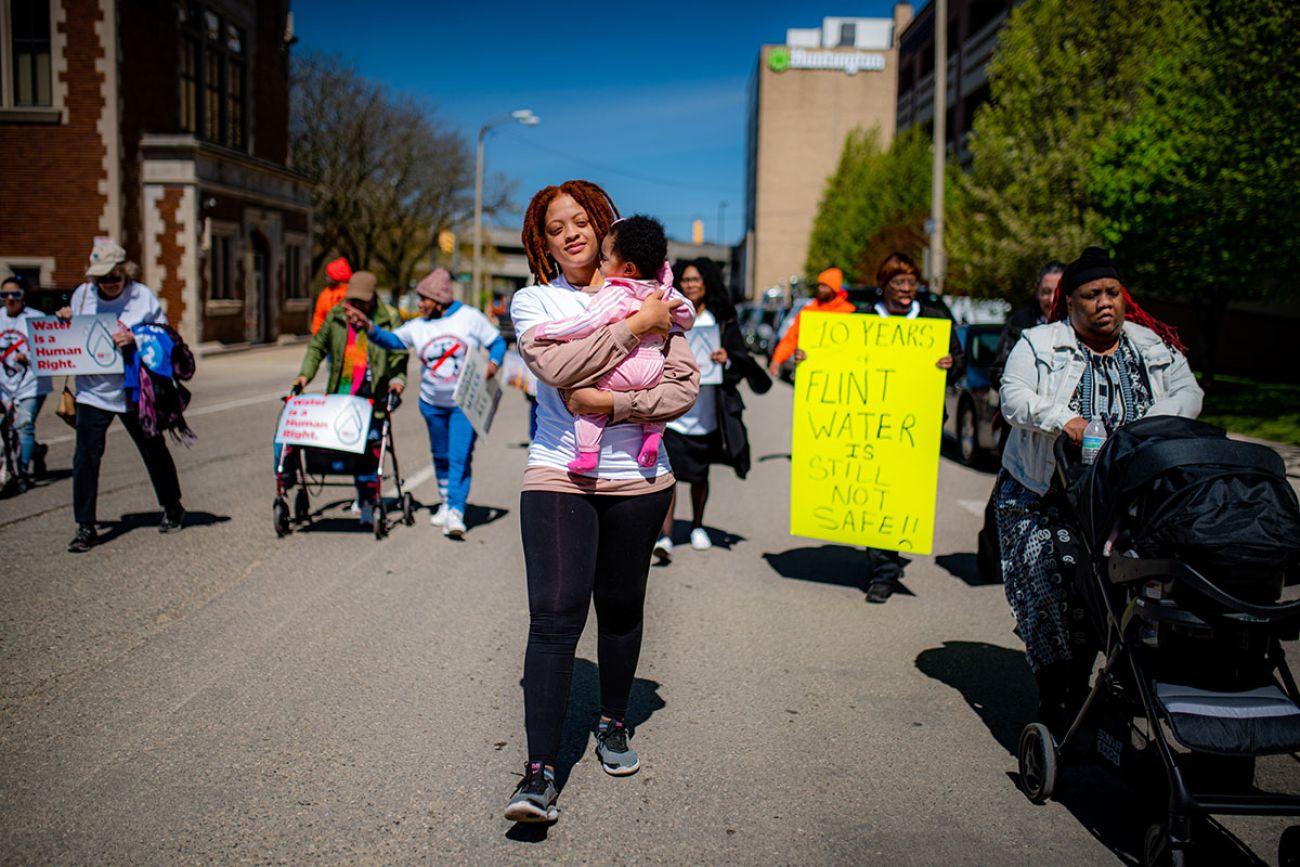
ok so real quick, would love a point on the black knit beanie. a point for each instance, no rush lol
(1092, 264)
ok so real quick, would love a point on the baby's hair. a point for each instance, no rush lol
(590, 197)
(640, 240)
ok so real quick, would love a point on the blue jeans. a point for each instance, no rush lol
(25, 420)
(451, 439)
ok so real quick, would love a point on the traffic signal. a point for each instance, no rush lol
(447, 241)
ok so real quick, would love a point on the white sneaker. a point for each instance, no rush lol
(367, 514)
(663, 550)
(438, 517)
(453, 526)
(355, 508)
(700, 539)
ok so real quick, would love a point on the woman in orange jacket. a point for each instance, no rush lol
(831, 298)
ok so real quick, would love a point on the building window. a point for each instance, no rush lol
(848, 35)
(221, 281)
(29, 46)
(213, 76)
(295, 283)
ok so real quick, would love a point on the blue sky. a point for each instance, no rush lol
(647, 99)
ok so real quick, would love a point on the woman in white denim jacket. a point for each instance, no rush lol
(1092, 359)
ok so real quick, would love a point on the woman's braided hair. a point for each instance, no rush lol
(590, 197)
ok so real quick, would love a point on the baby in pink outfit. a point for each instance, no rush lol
(632, 249)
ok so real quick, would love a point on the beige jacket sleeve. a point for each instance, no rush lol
(577, 363)
(672, 397)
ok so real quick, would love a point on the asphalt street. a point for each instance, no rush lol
(224, 696)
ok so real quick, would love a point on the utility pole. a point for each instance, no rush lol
(938, 265)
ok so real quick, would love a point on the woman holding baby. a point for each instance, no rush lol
(597, 485)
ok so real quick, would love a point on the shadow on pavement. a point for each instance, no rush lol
(580, 720)
(997, 684)
(964, 567)
(477, 516)
(839, 565)
(150, 520)
(720, 538)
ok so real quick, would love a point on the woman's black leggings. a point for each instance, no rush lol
(578, 547)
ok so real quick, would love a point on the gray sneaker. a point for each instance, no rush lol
(535, 796)
(616, 757)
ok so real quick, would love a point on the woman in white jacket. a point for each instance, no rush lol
(1099, 356)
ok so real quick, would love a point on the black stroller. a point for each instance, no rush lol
(1188, 540)
(300, 465)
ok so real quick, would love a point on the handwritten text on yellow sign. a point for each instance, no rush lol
(868, 416)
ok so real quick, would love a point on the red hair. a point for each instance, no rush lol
(1132, 313)
(590, 197)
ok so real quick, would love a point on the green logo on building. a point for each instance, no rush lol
(778, 60)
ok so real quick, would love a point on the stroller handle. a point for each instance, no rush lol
(1123, 570)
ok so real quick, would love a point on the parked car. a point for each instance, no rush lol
(972, 401)
(758, 327)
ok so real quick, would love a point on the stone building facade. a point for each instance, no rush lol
(805, 97)
(163, 124)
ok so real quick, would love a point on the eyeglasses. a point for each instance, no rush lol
(686, 280)
(903, 282)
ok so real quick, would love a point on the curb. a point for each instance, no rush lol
(208, 350)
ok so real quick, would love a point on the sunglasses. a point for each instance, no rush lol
(109, 278)
(16, 295)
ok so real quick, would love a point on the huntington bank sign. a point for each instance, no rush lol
(849, 62)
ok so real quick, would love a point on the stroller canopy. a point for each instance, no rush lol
(1183, 490)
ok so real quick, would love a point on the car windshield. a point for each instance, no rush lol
(982, 347)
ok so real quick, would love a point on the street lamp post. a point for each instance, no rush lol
(527, 118)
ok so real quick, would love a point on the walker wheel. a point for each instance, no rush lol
(378, 521)
(302, 506)
(408, 509)
(1037, 762)
(280, 517)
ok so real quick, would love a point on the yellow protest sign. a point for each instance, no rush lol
(868, 417)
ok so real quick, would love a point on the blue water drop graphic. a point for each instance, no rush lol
(99, 343)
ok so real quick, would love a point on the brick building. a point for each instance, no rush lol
(163, 124)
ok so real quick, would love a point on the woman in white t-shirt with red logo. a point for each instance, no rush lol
(442, 335)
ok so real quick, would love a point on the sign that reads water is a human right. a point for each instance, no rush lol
(74, 347)
(868, 417)
(339, 422)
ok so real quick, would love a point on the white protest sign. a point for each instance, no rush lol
(705, 340)
(476, 395)
(71, 347)
(325, 421)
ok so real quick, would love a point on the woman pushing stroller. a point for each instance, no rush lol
(1099, 356)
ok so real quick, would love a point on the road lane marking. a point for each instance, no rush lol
(195, 413)
(975, 507)
(411, 482)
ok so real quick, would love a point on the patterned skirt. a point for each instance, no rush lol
(1031, 572)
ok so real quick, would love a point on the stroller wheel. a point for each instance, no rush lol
(280, 517)
(301, 506)
(378, 521)
(1288, 848)
(1157, 851)
(1037, 762)
(408, 509)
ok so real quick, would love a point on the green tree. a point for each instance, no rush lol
(1200, 190)
(876, 201)
(1065, 74)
